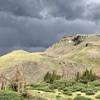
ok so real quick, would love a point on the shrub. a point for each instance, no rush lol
(98, 96)
(78, 94)
(36, 98)
(77, 88)
(40, 86)
(58, 96)
(96, 83)
(46, 90)
(69, 93)
(9, 95)
(90, 93)
(83, 90)
(65, 89)
(51, 77)
(77, 76)
(82, 98)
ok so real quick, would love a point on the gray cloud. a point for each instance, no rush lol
(39, 23)
(70, 9)
(21, 7)
(93, 11)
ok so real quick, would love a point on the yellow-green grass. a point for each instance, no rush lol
(17, 57)
(50, 95)
(53, 96)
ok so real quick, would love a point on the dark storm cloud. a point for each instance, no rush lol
(36, 24)
(70, 9)
(21, 7)
(25, 31)
(93, 11)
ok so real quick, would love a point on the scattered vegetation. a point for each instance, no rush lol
(10, 95)
(89, 85)
(36, 98)
(51, 77)
(85, 83)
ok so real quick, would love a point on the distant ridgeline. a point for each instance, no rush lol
(88, 35)
(77, 38)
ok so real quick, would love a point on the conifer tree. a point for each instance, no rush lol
(51, 77)
(87, 76)
(77, 76)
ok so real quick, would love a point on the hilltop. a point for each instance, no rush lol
(69, 55)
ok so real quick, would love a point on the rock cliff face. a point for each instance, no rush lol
(75, 40)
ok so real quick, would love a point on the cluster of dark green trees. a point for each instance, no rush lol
(51, 77)
(86, 76)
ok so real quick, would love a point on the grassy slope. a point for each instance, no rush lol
(34, 65)
(79, 55)
(53, 96)
(37, 64)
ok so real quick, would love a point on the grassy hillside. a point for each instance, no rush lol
(86, 54)
(16, 57)
(63, 55)
(31, 64)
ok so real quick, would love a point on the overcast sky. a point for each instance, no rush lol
(36, 24)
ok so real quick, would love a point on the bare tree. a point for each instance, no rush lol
(2, 82)
(18, 81)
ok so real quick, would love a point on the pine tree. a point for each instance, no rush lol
(91, 75)
(47, 77)
(77, 76)
(86, 77)
(51, 77)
